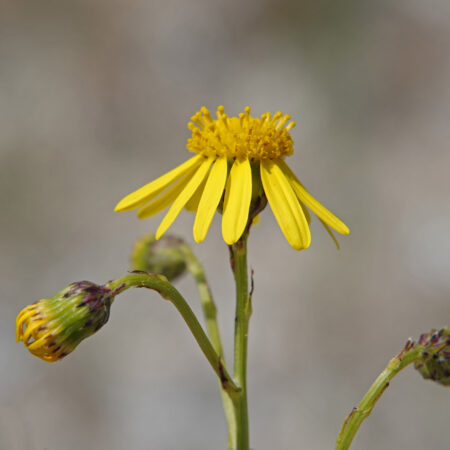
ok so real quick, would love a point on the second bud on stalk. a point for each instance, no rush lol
(164, 256)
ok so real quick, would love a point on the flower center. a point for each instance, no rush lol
(243, 137)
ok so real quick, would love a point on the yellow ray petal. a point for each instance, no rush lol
(238, 194)
(144, 194)
(305, 197)
(192, 204)
(285, 205)
(330, 232)
(167, 198)
(210, 199)
(306, 213)
(21, 320)
(37, 345)
(194, 182)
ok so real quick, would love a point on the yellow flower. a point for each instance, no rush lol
(239, 164)
(52, 327)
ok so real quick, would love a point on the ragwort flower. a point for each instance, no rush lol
(239, 164)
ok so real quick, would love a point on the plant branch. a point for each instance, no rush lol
(408, 355)
(160, 284)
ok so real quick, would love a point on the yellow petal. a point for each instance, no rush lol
(330, 232)
(167, 198)
(238, 194)
(30, 332)
(21, 320)
(306, 213)
(305, 197)
(38, 345)
(210, 199)
(151, 190)
(285, 205)
(194, 182)
(192, 204)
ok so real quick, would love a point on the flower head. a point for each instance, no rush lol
(238, 167)
(52, 327)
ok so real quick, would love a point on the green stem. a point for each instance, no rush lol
(160, 284)
(238, 255)
(408, 355)
(210, 313)
(208, 306)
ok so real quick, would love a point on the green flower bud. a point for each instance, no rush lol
(164, 256)
(434, 363)
(52, 327)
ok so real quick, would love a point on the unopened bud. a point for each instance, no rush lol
(434, 363)
(52, 327)
(164, 256)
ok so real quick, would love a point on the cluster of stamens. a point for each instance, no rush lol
(243, 137)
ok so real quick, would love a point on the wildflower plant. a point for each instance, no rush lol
(238, 169)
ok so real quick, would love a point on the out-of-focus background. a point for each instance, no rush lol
(95, 98)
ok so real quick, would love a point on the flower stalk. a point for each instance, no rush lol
(238, 257)
(160, 284)
(209, 308)
(351, 425)
(431, 351)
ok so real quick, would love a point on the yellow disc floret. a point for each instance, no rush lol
(243, 137)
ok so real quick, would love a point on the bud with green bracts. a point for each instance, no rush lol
(434, 359)
(52, 327)
(164, 256)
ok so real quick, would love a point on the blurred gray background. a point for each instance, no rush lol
(95, 98)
